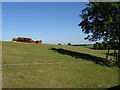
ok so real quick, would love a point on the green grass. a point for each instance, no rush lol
(80, 74)
(88, 46)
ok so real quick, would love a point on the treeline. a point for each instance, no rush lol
(67, 44)
(76, 44)
(105, 45)
(101, 46)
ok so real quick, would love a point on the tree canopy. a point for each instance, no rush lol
(101, 20)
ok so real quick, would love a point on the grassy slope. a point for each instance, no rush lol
(53, 75)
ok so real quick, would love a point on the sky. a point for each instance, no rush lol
(52, 22)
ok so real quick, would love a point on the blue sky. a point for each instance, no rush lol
(52, 22)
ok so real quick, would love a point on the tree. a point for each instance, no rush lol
(100, 20)
(96, 46)
(59, 44)
(101, 46)
(69, 44)
(105, 45)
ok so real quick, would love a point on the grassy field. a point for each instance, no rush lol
(28, 65)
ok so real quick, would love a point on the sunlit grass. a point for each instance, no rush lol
(61, 75)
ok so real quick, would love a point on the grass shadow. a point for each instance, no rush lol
(77, 55)
(114, 88)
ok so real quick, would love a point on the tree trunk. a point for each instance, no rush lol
(119, 50)
(116, 56)
(119, 56)
(107, 55)
(114, 53)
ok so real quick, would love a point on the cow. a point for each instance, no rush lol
(32, 41)
(38, 41)
(22, 39)
(15, 39)
(28, 39)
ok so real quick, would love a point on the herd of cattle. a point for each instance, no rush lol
(23, 39)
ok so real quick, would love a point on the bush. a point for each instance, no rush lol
(96, 46)
(59, 44)
(69, 44)
(101, 46)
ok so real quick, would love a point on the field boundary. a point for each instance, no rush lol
(27, 64)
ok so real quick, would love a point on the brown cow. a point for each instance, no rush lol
(38, 41)
(32, 41)
(15, 39)
(22, 39)
(28, 39)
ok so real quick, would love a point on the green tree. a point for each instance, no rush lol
(59, 44)
(69, 44)
(100, 20)
(96, 46)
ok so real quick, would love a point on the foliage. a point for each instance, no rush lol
(69, 44)
(100, 20)
(101, 46)
(59, 44)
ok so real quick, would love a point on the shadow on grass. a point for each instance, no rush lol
(77, 55)
(114, 88)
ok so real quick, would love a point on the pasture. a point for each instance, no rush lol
(29, 65)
